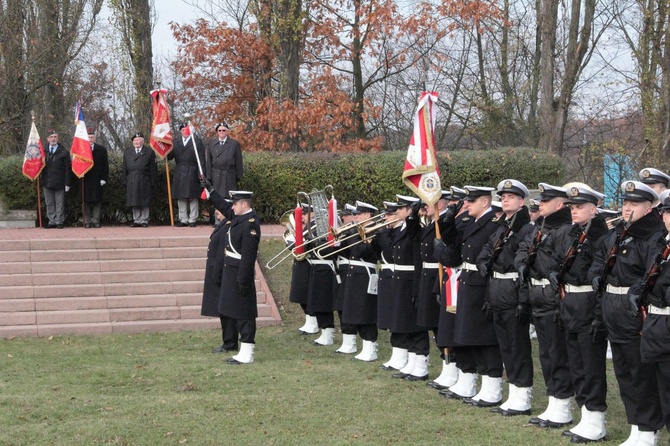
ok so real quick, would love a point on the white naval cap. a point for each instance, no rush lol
(637, 191)
(649, 175)
(581, 193)
(457, 193)
(513, 187)
(549, 192)
(474, 192)
(362, 206)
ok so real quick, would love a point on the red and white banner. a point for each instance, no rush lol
(161, 132)
(33, 159)
(82, 156)
(421, 173)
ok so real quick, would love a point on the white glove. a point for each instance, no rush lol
(103, 182)
(67, 188)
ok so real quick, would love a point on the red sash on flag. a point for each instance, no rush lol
(421, 173)
(161, 133)
(33, 159)
(82, 156)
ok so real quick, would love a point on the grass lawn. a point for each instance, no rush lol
(168, 389)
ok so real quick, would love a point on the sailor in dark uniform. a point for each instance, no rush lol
(477, 346)
(655, 342)
(578, 310)
(457, 210)
(349, 345)
(300, 274)
(543, 299)
(510, 321)
(654, 178)
(238, 287)
(636, 251)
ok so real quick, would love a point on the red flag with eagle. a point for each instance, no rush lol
(161, 132)
(33, 159)
(421, 173)
(82, 156)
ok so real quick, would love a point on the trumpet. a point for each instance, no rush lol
(288, 221)
(365, 233)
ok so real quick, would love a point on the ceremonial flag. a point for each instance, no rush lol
(161, 133)
(82, 156)
(33, 159)
(421, 173)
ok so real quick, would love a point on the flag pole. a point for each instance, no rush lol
(169, 191)
(83, 202)
(39, 203)
(187, 116)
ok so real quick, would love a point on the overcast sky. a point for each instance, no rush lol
(169, 11)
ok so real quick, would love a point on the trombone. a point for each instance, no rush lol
(288, 221)
(365, 233)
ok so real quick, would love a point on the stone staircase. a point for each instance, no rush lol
(108, 285)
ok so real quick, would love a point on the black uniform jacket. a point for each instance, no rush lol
(428, 308)
(636, 254)
(358, 306)
(186, 176)
(472, 327)
(99, 171)
(241, 250)
(543, 299)
(224, 165)
(502, 294)
(578, 308)
(57, 172)
(139, 173)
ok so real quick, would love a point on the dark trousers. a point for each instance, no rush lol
(553, 357)
(368, 332)
(416, 342)
(663, 378)
(465, 360)
(637, 386)
(588, 370)
(325, 320)
(488, 361)
(515, 349)
(348, 329)
(229, 333)
(247, 330)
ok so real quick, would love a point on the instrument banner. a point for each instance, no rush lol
(161, 133)
(421, 173)
(34, 158)
(82, 156)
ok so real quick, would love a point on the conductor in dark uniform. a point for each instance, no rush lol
(238, 288)
(224, 161)
(211, 292)
(94, 181)
(186, 178)
(139, 173)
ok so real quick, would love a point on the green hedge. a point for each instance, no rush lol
(276, 177)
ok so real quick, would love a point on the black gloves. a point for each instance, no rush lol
(438, 298)
(598, 332)
(486, 308)
(483, 269)
(437, 243)
(244, 289)
(634, 303)
(522, 272)
(450, 215)
(553, 280)
(523, 313)
(205, 183)
(595, 283)
(558, 320)
(416, 207)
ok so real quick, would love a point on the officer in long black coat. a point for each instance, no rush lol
(94, 182)
(186, 187)
(477, 350)
(238, 287)
(224, 161)
(138, 174)
(300, 273)
(211, 293)
(349, 344)
(55, 180)
(637, 379)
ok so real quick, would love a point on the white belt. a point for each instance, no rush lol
(617, 289)
(390, 266)
(542, 282)
(320, 262)
(234, 255)
(404, 268)
(429, 265)
(468, 266)
(341, 261)
(512, 276)
(362, 263)
(578, 288)
(662, 311)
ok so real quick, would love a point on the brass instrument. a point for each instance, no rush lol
(365, 233)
